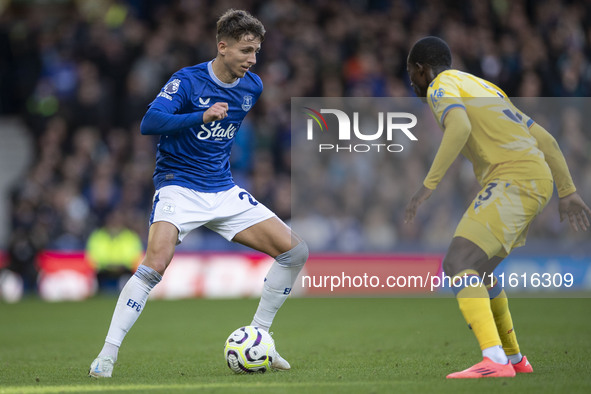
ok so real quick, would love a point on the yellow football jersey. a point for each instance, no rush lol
(500, 145)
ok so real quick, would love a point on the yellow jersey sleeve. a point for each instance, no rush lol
(457, 131)
(443, 95)
(555, 159)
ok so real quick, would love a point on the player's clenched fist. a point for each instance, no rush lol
(218, 111)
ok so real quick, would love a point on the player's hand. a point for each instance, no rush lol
(218, 111)
(574, 208)
(417, 199)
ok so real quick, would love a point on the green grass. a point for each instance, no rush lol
(335, 345)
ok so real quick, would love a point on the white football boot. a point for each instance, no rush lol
(279, 362)
(102, 367)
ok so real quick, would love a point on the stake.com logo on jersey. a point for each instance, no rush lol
(215, 131)
(393, 124)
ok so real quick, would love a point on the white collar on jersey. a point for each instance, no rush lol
(217, 80)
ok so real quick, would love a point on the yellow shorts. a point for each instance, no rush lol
(498, 218)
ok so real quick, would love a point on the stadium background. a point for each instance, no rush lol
(76, 77)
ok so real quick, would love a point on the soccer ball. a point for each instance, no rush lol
(249, 349)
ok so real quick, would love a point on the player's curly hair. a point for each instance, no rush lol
(238, 23)
(432, 51)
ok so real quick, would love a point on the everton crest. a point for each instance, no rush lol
(247, 103)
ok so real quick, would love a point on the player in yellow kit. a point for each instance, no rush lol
(516, 162)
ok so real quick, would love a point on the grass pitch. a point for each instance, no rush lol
(337, 345)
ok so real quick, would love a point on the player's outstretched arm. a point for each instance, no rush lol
(160, 122)
(457, 129)
(456, 133)
(571, 204)
(574, 208)
(555, 159)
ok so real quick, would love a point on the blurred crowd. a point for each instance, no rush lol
(81, 73)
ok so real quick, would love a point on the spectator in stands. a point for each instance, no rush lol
(115, 251)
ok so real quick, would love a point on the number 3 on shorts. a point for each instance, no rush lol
(487, 192)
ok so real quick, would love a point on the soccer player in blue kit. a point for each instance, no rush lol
(198, 113)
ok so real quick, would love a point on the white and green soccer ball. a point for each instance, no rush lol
(249, 349)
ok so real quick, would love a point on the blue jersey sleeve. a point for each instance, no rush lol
(162, 123)
(164, 115)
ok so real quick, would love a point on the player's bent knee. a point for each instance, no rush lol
(157, 261)
(295, 257)
(158, 258)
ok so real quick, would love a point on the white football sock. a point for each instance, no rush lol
(129, 306)
(278, 283)
(496, 354)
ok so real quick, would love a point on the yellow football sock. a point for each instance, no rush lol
(499, 306)
(474, 303)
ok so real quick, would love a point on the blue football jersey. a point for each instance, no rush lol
(199, 157)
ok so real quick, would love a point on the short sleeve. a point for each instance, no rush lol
(443, 95)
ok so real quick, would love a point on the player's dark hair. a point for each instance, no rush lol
(432, 51)
(238, 23)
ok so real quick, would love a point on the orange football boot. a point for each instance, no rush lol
(485, 369)
(523, 366)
